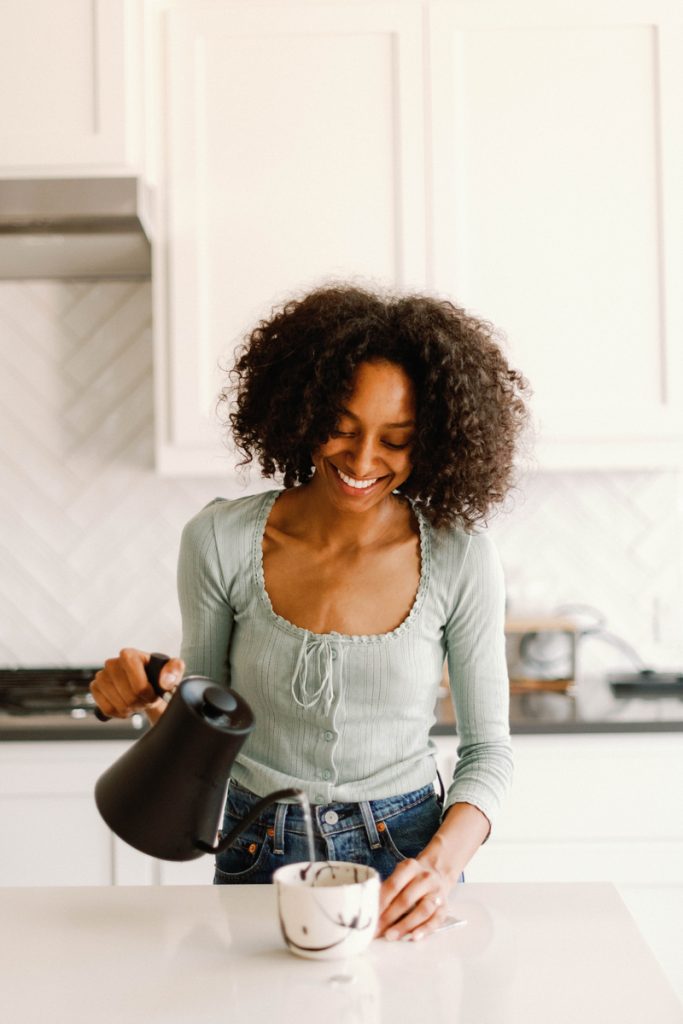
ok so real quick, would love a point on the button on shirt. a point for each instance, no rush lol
(347, 718)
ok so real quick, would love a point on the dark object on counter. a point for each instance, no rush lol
(647, 683)
(42, 691)
(165, 795)
(54, 703)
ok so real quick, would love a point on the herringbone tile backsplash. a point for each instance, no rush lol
(89, 533)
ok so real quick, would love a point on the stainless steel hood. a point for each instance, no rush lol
(72, 228)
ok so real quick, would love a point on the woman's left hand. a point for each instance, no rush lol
(412, 901)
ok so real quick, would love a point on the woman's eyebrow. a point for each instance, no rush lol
(405, 423)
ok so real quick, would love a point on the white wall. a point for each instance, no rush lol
(89, 534)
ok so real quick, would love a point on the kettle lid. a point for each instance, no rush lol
(218, 703)
(218, 707)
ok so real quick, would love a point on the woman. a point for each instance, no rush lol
(332, 604)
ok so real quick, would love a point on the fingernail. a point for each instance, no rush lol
(170, 677)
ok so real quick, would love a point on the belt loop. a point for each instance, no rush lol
(441, 795)
(370, 827)
(279, 828)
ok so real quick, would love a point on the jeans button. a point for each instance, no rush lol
(330, 817)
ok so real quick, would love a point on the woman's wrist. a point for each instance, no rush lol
(461, 833)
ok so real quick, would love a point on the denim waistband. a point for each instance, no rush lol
(329, 818)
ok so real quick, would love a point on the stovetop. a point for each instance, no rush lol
(55, 702)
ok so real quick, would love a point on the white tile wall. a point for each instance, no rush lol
(89, 534)
(611, 541)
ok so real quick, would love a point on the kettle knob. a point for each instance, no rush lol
(218, 704)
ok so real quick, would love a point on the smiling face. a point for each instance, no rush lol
(368, 454)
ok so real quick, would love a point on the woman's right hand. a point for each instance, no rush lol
(121, 688)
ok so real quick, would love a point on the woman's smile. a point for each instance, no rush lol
(353, 484)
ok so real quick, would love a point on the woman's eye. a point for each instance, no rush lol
(342, 433)
(396, 447)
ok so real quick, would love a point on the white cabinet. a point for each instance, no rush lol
(599, 807)
(70, 86)
(582, 808)
(558, 210)
(523, 159)
(51, 831)
(133, 868)
(290, 151)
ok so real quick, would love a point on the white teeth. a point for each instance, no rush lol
(360, 485)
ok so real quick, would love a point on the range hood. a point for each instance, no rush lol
(72, 228)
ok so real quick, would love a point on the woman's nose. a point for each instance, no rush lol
(363, 457)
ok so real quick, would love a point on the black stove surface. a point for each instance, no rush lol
(26, 691)
(55, 702)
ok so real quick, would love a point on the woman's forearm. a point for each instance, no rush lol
(461, 833)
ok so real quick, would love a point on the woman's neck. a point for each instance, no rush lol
(329, 527)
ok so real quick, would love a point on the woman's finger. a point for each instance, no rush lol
(109, 691)
(171, 674)
(102, 699)
(402, 875)
(425, 917)
(122, 687)
(128, 673)
(412, 885)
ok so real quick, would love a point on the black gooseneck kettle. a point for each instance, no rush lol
(165, 795)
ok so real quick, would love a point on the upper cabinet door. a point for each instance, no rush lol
(558, 210)
(290, 152)
(69, 74)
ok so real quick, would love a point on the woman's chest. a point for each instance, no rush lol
(363, 594)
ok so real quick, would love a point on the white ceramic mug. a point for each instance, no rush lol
(328, 909)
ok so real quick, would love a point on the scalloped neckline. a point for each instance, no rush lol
(269, 500)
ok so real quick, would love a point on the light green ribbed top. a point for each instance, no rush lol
(347, 718)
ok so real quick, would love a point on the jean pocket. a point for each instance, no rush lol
(245, 855)
(406, 834)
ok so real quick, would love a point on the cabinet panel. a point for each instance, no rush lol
(294, 138)
(620, 863)
(134, 868)
(53, 840)
(586, 807)
(193, 872)
(599, 787)
(52, 833)
(556, 215)
(67, 73)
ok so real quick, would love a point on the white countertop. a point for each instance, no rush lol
(192, 955)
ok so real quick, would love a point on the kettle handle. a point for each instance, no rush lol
(153, 672)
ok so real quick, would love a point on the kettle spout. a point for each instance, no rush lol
(272, 798)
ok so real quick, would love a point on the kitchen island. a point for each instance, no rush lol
(202, 955)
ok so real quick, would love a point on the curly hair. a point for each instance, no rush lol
(295, 371)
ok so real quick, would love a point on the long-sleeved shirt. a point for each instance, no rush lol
(347, 718)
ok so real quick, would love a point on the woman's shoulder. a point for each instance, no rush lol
(231, 513)
(224, 529)
(459, 555)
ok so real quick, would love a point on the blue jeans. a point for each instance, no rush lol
(380, 833)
